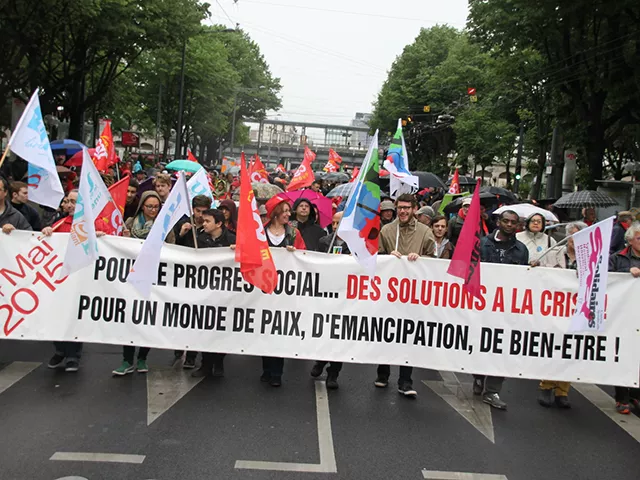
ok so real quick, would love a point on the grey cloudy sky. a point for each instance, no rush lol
(333, 55)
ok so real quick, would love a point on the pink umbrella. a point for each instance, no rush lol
(323, 203)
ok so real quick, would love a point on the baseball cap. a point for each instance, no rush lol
(466, 201)
(387, 205)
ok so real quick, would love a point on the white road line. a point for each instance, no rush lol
(97, 457)
(600, 398)
(165, 387)
(14, 372)
(325, 441)
(460, 397)
(435, 475)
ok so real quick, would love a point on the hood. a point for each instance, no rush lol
(312, 212)
(273, 202)
(231, 206)
(143, 198)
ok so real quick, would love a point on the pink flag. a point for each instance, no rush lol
(465, 263)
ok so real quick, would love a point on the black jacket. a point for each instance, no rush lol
(617, 238)
(515, 253)
(325, 242)
(311, 232)
(226, 239)
(31, 214)
(623, 261)
(13, 217)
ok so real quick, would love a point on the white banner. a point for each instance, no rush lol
(592, 257)
(323, 308)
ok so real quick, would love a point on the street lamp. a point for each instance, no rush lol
(181, 94)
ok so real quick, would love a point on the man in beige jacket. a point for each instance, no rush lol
(405, 236)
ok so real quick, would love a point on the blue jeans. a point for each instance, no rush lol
(72, 351)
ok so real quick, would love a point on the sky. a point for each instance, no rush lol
(333, 56)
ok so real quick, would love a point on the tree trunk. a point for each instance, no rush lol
(508, 173)
(542, 160)
(76, 107)
(595, 152)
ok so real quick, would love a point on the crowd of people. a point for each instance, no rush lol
(409, 229)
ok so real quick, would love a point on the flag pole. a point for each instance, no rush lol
(4, 155)
(193, 231)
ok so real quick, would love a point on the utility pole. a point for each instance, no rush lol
(156, 146)
(233, 121)
(554, 153)
(180, 103)
(518, 170)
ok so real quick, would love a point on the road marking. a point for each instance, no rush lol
(97, 457)
(435, 475)
(460, 396)
(165, 387)
(603, 401)
(14, 372)
(325, 442)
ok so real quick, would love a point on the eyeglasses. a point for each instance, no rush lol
(152, 207)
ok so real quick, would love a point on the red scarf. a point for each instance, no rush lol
(462, 215)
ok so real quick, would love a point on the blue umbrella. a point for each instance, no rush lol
(185, 165)
(69, 146)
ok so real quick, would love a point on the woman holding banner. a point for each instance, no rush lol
(279, 234)
(536, 241)
(139, 227)
(565, 257)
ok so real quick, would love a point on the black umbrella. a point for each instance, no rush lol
(429, 180)
(463, 180)
(486, 198)
(320, 175)
(503, 192)
(337, 177)
(585, 198)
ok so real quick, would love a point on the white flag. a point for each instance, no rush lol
(145, 269)
(397, 164)
(93, 196)
(592, 257)
(30, 141)
(198, 184)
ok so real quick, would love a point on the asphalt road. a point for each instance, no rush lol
(372, 433)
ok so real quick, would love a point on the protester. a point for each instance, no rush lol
(162, 186)
(316, 186)
(455, 224)
(628, 261)
(335, 245)
(500, 247)
(10, 218)
(425, 214)
(213, 234)
(536, 241)
(184, 236)
(69, 353)
(443, 247)
(279, 234)
(304, 219)
(131, 205)
(339, 245)
(565, 257)
(230, 211)
(19, 198)
(623, 222)
(139, 227)
(387, 212)
(404, 236)
(589, 216)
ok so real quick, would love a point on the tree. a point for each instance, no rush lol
(75, 51)
(591, 51)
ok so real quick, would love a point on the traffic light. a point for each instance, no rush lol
(409, 119)
(518, 176)
(426, 108)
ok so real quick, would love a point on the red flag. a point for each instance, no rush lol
(280, 168)
(105, 154)
(455, 183)
(465, 263)
(354, 174)
(257, 172)
(304, 174)
(252, 249)
(191, 156)
(333, 165)
(112, 214)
